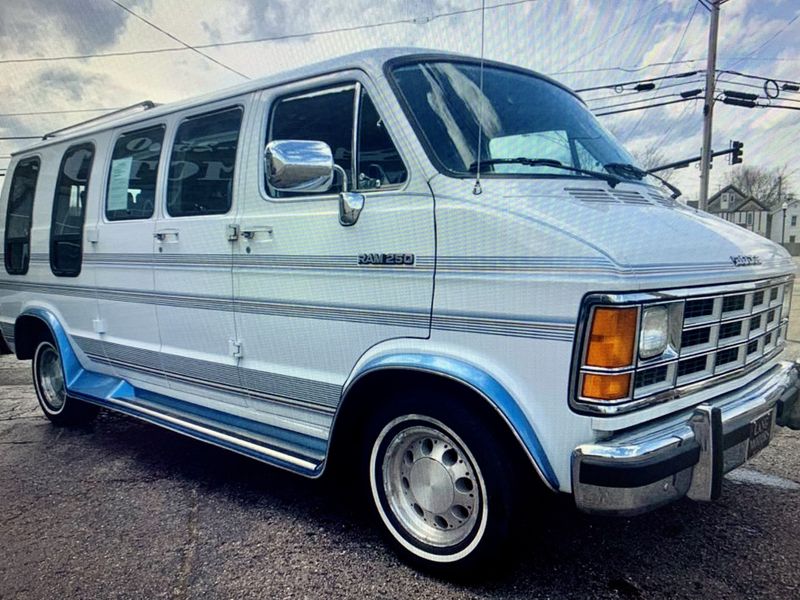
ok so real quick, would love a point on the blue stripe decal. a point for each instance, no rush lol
(484, 383)
(104, 389)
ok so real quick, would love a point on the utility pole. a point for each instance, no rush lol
(708, 108)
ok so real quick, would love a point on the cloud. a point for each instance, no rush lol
(69, 84)
(29, 26)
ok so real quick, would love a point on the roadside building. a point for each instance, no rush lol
(733, 205)
(786, 230)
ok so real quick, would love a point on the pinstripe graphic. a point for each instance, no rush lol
(445, 264)
(485, 324)
(563, 332)
(242, 261)
(282, 389)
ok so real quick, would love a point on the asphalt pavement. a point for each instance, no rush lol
(123, 509)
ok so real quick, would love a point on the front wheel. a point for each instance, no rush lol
(51, 389)
(443, 488)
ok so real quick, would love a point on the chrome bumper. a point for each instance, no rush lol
(684, 455)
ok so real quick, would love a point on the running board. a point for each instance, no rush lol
(213, 436)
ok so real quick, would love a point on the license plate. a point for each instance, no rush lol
(760, 434)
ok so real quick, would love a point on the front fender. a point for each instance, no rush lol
(481, 382)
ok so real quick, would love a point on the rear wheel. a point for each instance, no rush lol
(51, 389)
(442, 485)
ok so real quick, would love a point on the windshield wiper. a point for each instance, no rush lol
(630, 170)
(612, 180)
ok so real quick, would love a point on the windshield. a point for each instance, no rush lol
(523, 116)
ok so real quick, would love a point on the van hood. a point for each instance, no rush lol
(635, 228)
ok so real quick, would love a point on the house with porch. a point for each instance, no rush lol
(733, 205)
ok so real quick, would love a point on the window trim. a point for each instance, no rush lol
(308, 87)
(79, 144)
(204, 112)
(26, 267)
(112, 145)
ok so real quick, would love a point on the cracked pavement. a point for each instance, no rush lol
(123, 509)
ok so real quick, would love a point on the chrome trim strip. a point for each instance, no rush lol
(222, 437)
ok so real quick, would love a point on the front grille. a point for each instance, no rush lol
(721, 334)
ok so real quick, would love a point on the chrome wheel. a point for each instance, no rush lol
(50, 378)
(431, 483)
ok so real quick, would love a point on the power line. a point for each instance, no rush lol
(611, 37)
(648, 80)
(624, 110)
(638, 68)
(674, 56)
(56, 112)
(664, 137)
(767, 41)
(634, 92)
(275, 38)
(760, 77)
(172, 37)
(661, 97)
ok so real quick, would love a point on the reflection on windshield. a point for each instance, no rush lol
(521, 115)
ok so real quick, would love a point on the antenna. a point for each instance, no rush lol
(477, 190)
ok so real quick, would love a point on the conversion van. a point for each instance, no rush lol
(440, 273)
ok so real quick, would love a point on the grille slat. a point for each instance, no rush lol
(691, 365)
(695, 337)
(648, 377)
(695, 309)
(733, 303)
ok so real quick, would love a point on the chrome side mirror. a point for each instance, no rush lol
(298, 166)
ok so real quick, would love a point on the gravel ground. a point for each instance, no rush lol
(123, 509)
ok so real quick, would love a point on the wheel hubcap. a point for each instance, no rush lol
(432, 485)
(51, 380)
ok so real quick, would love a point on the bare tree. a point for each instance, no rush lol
(651, 157)
(768, 186)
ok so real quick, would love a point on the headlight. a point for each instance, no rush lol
(654, 334)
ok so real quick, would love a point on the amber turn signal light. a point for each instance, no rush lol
(606, 387)
(612, 337)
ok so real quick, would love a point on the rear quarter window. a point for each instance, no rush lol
(19, 214)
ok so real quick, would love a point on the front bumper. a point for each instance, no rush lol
(686, 455)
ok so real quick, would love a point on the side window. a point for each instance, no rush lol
(131, 190)
(69, 209)
(322, 115)
(379, 162)
(202, 164)
(18, 216)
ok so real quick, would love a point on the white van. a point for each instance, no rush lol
(323, 266)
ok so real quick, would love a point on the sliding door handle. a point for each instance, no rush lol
(167, 236)
(261, 234)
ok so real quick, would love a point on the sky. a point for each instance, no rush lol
(582, 43)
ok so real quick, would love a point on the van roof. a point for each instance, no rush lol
(372, 60)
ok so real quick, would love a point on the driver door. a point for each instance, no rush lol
(307, 303)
